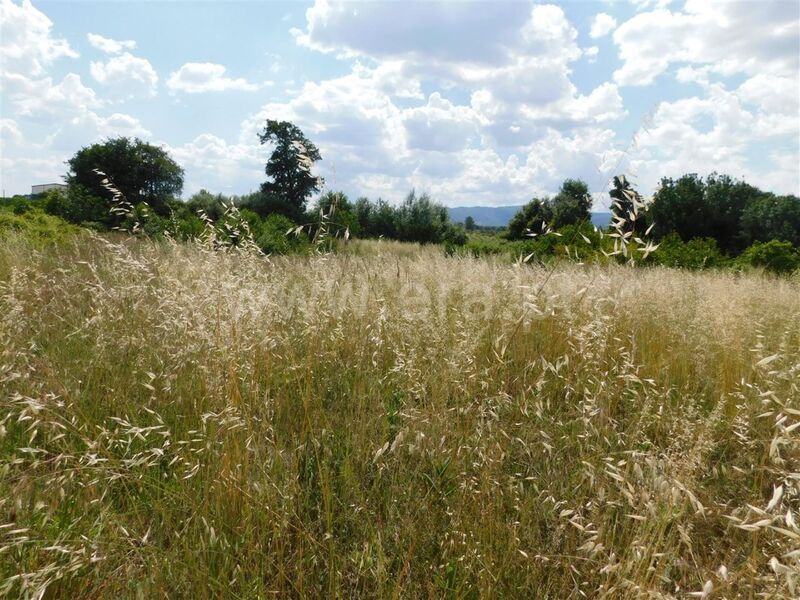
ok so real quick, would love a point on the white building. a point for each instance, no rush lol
(46, 187)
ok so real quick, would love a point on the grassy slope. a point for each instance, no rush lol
(182, 423)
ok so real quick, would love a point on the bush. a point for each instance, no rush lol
(697, 253)
(273, 236)
(37, 227)
(774, 256)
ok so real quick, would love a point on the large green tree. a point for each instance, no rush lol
(289, 167)
(771, 217)
(712, 207)
(420, 219)
(141, 171)
(572, 204)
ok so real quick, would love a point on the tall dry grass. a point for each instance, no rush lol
(392, 423)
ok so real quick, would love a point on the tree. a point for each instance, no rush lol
(338, 201)
(338, 212)
(419, 219)
(697, 208)
(572, 204)
(289, 166)
(212, 205)
(77, 205)
(364, 214)
(382, 220)
(532, 218)
(141, 171)
(469, 223)
(771, 218)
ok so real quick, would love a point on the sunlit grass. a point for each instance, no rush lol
(390, 422)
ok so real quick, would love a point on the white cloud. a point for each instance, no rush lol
(214, 164)
(9, 132)
(440, 125)
(41, 99)
(730, 37)
(196, 78)
(716, 132)
(440, 31)
(773, 94)
(89, 127)
(108, 45)
(27, 45)
(602, 25)
(126, 75)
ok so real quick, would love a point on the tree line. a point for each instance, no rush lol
(719, 212)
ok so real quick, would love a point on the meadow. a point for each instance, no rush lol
(391, 422)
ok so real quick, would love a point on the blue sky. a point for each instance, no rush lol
(478, 103)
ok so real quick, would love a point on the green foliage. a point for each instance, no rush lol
(469, 223)
(213, 206)
(487, 244)
(531, 220)
(775, 256)
(77, 205)
(420, 219)
(454, 237)
(572, 204)
(289, 167)
(145, 221)
(141, 171)
(274, 236)
(36, 227)
(697, 253)
(380, 220)
(695, 208)
(771, 217)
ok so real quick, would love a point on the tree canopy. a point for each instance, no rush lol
(713, 207)
(289, 167)
(141, 171)
(572, 204)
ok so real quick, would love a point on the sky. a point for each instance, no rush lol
(476, 103)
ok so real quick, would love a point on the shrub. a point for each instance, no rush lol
(37, 227)
(273, 236)
(697, 253)
(775, 256)
(77, 205)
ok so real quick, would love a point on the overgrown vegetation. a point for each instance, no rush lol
(698, 223)
(196, 420)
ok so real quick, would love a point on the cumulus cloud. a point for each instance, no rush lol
(42, 99)
(437, 31)
(27, 45)
(9, 132)
(212, 163)
(197, 78)
(108, 45)
(730, 37)
(602, 25)
(126, 75)
(715, 132)
(89, 127)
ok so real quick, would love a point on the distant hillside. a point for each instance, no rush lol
(499, 216)
(488, 216)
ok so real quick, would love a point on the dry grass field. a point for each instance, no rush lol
(177, 422)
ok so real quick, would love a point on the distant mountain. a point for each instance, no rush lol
(488, 216)
(499, 216)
